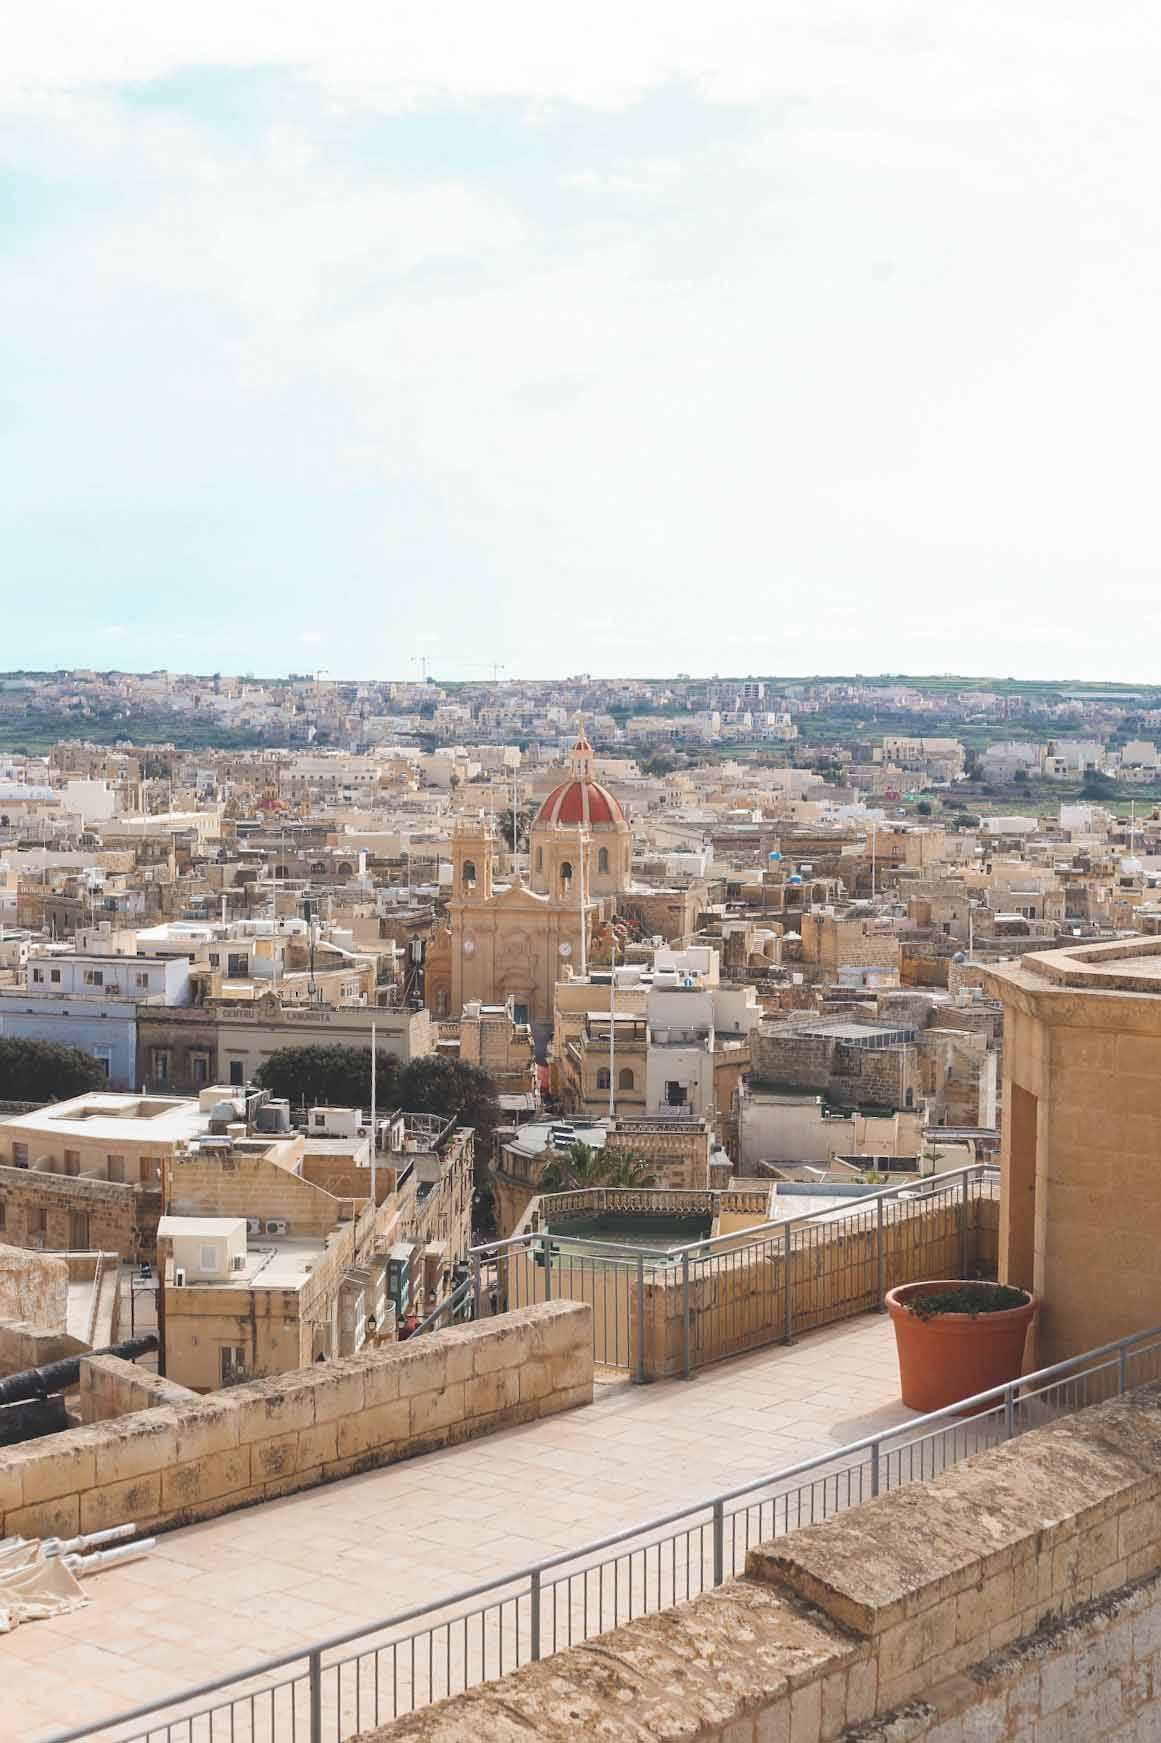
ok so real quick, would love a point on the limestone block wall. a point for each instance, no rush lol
(40, 1208)
(1015, 1599)
(111, 1388)
(178, 1462)
(737, 1296)
(26, 1345)
(33, 1286)
(250, 1186)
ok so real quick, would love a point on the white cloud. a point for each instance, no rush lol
(887, 346)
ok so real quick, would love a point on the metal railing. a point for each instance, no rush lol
(560, 1600)
(660, 1312)
(447, 1306)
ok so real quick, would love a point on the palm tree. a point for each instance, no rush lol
(581, 1166)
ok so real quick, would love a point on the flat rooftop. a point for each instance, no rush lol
(211, 1599)
(1122, 965)
(106, 1115)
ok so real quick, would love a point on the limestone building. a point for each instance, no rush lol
(512, 942)
(1080, 1218)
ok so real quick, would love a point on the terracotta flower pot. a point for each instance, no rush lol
(955, 1355)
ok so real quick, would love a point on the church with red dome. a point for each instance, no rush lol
(516, 941)
(581, 803)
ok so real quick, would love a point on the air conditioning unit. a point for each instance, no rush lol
(253, 1225)
(276, 1226)
(179, 1278)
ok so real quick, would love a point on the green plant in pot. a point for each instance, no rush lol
(956, 1338)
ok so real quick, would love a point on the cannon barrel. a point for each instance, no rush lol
(59, 1376)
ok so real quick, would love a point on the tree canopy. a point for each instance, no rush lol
(341, 1077)
(330, 1076)
(43, 1071)
(580, 1166)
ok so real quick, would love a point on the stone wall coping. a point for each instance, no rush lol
(183, 1457)
(880, 1611)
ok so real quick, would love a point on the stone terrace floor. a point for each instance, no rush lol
(214, 1598)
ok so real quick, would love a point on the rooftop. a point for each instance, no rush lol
(213, 1598)
(106, 1115)
(1122, 965)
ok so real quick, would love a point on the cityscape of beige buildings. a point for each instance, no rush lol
(695, 1033)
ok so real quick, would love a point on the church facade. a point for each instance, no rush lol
(516, 941)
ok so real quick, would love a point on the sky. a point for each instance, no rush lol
(764, 336)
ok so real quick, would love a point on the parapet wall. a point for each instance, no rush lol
(182, 1461)
(1015, 1599)
(111, 1388)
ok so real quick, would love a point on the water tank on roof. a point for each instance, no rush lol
(279, 1114)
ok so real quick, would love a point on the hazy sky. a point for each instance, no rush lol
(762, 335)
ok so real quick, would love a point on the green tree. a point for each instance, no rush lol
(523, 818)
(924, 808)
(43, 1071)
(438, 1085)
(1098, 785)
(330, 1076)
(581, 1166)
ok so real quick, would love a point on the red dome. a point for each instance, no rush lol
(579, 801)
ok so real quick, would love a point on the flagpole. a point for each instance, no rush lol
(374, 1130)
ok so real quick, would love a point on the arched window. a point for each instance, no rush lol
(603, 861)
(469, 871)
(540, 859)
(566, 871)
(603, 1078)
(626, 1080)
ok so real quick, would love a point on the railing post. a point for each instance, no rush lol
(315, 1663)
(719, 1542)
(639, 1376)
(477, 1289)
(685, 1316)
(963, 1226)
(534, 1596)
(787, 1286)
(880, 1260)
(1009, 1412)
(875, 1468)
(1122, 1369)
(547, 1250)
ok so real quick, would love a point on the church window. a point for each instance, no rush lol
(469, 871)
(626, 1080)
(603, 861)
(540, 859)
(602, 1079)
(566, 871)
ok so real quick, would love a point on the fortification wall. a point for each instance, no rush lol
(180, 1462)
(1016, 1598)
